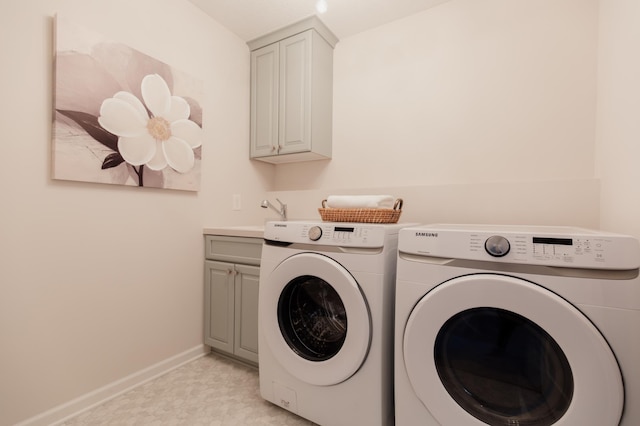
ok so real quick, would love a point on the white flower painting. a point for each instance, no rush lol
(122, 117)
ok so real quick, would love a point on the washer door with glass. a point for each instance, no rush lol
(315, 319)
(499, 350)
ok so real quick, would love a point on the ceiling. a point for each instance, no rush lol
(250, 19)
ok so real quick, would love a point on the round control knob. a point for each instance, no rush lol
(315, 232)
(497, 246)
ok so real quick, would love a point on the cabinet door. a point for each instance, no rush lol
(295, 94)
(264, 101)
(246, 315)
(219, 304)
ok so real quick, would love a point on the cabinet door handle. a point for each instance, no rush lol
(229, 271)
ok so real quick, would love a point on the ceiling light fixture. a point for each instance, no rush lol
(321, 6)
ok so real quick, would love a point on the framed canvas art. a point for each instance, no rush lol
(121, 116)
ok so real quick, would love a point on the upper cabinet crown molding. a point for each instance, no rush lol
(312, 22)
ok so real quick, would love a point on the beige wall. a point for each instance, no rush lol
(469, 91)
(480, 112)
(619, 115)
(471, 111)
(99, 282)
(567, 202)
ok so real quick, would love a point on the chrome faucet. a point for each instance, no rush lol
(282, 211)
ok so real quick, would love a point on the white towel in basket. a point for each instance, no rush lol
(360, 201)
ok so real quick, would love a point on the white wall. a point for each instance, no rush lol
(96, 281)
(619, 115)
(568, 203)
(468, 91)
(459, 104)
(471, 111)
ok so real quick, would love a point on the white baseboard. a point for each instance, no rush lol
(63, 412)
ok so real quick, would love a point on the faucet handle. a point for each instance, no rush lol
(283, 209)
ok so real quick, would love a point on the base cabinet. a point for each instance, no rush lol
(231, 296)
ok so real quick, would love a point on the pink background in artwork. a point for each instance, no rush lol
(89, 70)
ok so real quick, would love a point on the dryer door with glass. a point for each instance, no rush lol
(316, 319)
(500, 350)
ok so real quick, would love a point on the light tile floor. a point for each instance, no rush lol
(211, 391)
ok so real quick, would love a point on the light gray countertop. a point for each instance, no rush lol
(252, 231)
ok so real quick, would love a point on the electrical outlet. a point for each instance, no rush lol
(237, 202)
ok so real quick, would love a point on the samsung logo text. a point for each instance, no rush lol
(427, 234)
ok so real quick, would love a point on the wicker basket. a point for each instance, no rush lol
(361, 215)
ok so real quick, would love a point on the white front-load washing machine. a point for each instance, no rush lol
(326, 302)
(515, 325)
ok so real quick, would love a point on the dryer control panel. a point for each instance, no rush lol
(548, 246)
(360, 235)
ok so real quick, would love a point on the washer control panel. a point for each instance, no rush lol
(329, 233)
(548, 246)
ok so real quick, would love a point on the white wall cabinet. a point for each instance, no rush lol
(231, 295)
(292, 93)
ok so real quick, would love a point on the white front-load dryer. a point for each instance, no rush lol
(326, 303)
(508, 325)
